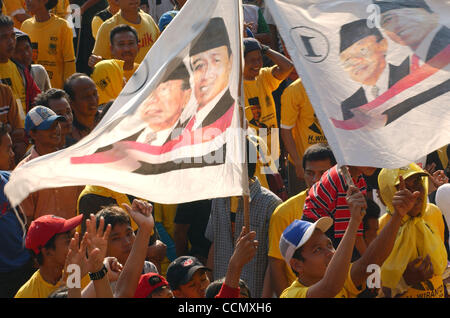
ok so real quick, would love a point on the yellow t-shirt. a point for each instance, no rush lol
(298, 114)
(258, 94)
(109, 78)
(297, 290)
(147, 31)
(52, 43)
(13, 7)
(434, 287)
(95, 25)
(129, 73)
(37, 287)
(284, 215)
(62, 9)
(9, 75)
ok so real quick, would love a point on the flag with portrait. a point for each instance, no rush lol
(376, 72)
(174, 133)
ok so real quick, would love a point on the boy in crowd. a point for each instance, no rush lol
(48, 238)
(24, 55)
(325, 272)
(317, 159)
(52, 41)
(57, 100)
(43, 127)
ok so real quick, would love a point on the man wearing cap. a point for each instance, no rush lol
(153, 285)
(48, 238)
(363, 57)
(419, 247)
(42, 125)
(259, 83)
(325, 272)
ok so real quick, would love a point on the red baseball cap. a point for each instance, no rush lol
(45, 227)
(148, 283)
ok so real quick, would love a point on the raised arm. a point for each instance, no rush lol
(378, 251)
(337, 270)
(141, 212)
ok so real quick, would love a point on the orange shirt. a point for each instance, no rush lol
(57, 201)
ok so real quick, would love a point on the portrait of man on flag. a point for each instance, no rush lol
(363, 50)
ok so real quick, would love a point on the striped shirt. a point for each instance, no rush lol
(327, 198)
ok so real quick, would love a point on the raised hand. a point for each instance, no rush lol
(404, 200)
(141, 212)
(245, 249)
(415, 274)
(114, 268)
(357, 203)
(97, 239)
(76, 255)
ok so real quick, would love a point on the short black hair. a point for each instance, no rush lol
(6, 21)
(113, 214)
(316, 152)
(44, 98)
(123, 28)
(51, 4)
(68, 84)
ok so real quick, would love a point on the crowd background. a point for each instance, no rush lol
(56, 84)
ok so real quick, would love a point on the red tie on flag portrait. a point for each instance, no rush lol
(174, 134)
(376, 72)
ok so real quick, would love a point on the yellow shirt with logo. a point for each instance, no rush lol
(12, 8)
(284, 215)
(298, 114)
(297, 290)
(434, 287)
(37, 287)
(147, 31)
(260, 89)
(52, 43)
(9, 75)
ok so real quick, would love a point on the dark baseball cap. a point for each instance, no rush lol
(181, 270)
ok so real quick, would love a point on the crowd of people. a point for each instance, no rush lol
(315, 228)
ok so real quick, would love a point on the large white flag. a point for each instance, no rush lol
(377, 74)
(173, 135)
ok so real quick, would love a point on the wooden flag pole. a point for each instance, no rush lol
(348, 179)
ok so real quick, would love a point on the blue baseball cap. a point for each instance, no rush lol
(298, 233)
(40, 118)
(166, 18)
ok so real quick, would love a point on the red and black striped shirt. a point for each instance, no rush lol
(327, 198)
